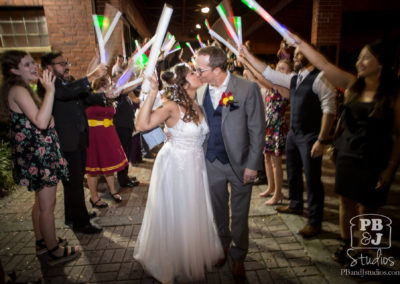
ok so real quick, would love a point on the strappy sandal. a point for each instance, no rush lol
(41, 246)
(69, 254)
(116, 199)
(95, 204)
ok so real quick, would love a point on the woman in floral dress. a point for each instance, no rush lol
(37, 162)
(275, 137)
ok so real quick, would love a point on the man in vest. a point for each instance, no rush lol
(312, 112)
(234, 111)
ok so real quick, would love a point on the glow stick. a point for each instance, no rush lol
(159, 36)
(129, 71)
(199, 39)
(238, 24)
(100, 42)
(130, 84)
(170, 45)
(228, 26)
(190, 47)
(112, 27)
(253, 5)
(172, 51)
(207, 24)
(223, 41)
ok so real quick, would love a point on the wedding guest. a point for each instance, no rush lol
(105, 154)
(312, 112)
(37, 161)
(368, 145)
(276, 102)
(71, 98)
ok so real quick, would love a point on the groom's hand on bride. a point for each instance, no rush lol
(249, 175)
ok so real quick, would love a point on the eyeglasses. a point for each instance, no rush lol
(63, 64)
(201, 70)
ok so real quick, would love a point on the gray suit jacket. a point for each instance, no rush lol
(243, 128)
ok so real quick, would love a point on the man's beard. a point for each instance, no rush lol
(303, 63)
(62, 76)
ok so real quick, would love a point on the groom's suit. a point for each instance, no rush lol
(235, 142)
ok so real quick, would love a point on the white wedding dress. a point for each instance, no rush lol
(178, 239)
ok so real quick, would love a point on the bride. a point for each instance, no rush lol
(178, 239)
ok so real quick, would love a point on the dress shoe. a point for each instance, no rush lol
(238, 271)
(129, 184)
(289, 210)
(309, 231)
(89, 229)
(133, 179)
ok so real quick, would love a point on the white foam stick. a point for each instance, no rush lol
(112, 27)
(228, 25)
(223, 41)
(172, 51)
(268, 18)
(100, 41)
(159, 37)
(130, 84)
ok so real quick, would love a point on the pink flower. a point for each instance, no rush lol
(20, 136)
(48, 139)
(42, 150)
(53, 178)
(24, 182)
(47, 172)
(62, 161)
(28, 124)
(33, 170)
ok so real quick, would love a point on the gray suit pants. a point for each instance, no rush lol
(238, 233)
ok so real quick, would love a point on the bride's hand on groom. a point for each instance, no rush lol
(249, 175)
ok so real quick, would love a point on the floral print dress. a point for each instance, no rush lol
(276, 125)
(36, 156)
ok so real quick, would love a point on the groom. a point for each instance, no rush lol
(233, 148)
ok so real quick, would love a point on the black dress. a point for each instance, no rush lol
(363, 152)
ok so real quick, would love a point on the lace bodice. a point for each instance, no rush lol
(188, 135)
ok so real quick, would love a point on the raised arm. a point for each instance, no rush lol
(257, 63)
(148, 119)
(21, 100)
(262, 80)
(335, 75)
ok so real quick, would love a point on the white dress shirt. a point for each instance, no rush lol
(321, 86)
(216, 92)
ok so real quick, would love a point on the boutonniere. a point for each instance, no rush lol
(227, 99)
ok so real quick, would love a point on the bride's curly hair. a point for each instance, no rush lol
(174, 82)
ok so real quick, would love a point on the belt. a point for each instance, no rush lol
(105, 122)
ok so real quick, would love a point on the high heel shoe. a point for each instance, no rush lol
(116, 199)
(97, 205)
(274, 201)
(266, 193)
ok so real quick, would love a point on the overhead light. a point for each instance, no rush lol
(198, 26)
(205, 10)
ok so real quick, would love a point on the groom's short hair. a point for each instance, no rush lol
(217, 56)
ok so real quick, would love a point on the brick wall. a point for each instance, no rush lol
(71, 31)
(326, 26)
(21, 2)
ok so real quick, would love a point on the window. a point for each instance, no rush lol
(23, 28)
